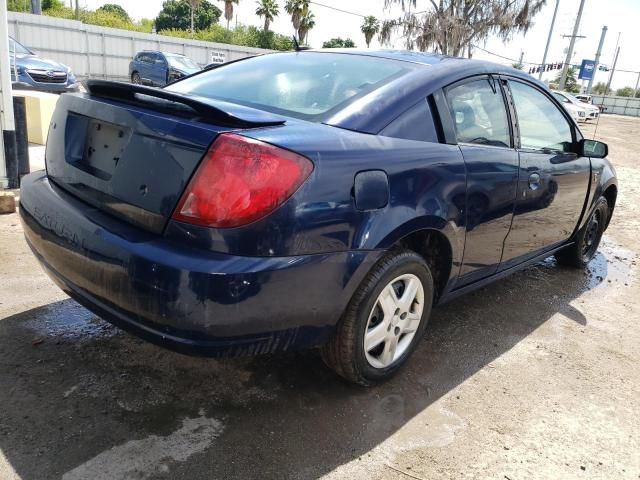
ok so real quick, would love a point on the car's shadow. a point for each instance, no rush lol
(72, 387)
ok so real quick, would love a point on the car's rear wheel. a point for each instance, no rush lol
(588, 238)
(135, 78)
(384, 321)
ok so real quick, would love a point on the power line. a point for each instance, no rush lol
(503, 57)
(353, 13)
(313, 2)
(338, 9)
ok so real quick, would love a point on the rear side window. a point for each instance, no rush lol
(479, 113)
(303, 84)
(414, 124)
(542, 125)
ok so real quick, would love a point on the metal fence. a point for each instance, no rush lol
(620, 105)
(101, 52)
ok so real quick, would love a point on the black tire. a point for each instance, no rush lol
(588, 238)
(135, 78)
(345, 352)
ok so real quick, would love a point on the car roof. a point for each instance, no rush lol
(424, 58)
(440, 66)
(163, 53)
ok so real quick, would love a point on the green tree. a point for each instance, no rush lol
(517, 65)
(25, 5)
(19, 5)
(625, 92)
(249, 36)
(339, 43)
(370, 26)
(111, 8)
(599, 88)
(49, 4)
(571, 85)
(177, 14)
(297, 9)
(269, 10)
(307, 22)
(228, 10)
(449, 26)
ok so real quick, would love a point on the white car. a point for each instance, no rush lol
(580, 111)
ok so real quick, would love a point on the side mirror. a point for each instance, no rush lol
(593, 148)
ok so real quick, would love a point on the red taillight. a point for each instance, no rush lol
(240, 180)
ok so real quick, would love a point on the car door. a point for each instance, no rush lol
(143, 65)
(484, 134)
(159, 69)
(553, 180)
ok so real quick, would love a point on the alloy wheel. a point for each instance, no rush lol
(394, 320)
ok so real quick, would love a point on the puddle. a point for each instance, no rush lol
(69, 320)
(613, 265)
(150, 456)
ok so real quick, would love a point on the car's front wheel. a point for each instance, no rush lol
(587, 239)
(135, 78)
(384, 321)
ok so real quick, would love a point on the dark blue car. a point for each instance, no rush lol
(310, 199)
(30, 72)
(159, 68)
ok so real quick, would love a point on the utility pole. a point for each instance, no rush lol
(36, 7)
(7, 121)
(613, 69)
(565, 67)
(546, 49)
(521, 57)
(595, 66)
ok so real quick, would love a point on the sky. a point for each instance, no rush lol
(620, 16)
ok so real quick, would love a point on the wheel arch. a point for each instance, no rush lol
(436, 249)
(611, 194)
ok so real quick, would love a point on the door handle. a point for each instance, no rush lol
(534, 181)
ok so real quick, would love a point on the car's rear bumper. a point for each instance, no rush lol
(186, 299)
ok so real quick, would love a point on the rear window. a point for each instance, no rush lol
(305, 85)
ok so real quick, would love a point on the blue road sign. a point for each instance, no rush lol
(587, 69)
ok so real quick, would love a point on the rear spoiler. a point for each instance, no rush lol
(188, 106)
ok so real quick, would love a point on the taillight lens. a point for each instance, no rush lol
(240, 180)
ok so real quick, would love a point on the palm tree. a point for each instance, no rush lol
(228, 10)
(297, 9)
(269, 10)
(370, 27)
(194, 4)
(307, 22)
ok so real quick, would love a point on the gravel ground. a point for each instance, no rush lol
(536, 376)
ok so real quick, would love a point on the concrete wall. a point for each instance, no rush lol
(619, 105)
(100, 52)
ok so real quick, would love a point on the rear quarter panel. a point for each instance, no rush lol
(427, 190)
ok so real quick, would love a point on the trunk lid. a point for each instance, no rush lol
(131, 150)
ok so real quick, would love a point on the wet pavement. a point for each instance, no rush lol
(535, 376)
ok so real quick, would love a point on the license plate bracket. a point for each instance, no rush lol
(103, 147)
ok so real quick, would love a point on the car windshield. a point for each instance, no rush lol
(17, 48)
(561, 97)
(573, 99)
(181, 62)
(299, 84)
